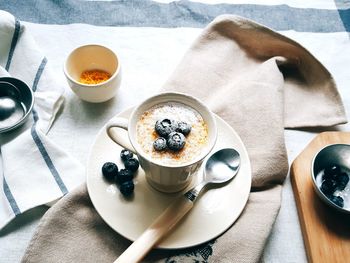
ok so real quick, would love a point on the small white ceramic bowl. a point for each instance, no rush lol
(91, 57)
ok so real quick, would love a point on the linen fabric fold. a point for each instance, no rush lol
(259, 82)
(33, 170)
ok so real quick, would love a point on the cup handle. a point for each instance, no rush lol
(122, 123)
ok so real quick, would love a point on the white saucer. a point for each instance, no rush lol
(213, 213)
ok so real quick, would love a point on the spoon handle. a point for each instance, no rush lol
(159, 228)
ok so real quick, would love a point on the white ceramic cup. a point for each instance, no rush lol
(90, 57)
(165, 177)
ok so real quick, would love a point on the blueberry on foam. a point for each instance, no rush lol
(160, 144)
(176, 141)
(165, 126)
(183, 127)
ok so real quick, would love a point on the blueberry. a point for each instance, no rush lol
(165, 126)
(132, 164)
(109, 170)
(342, 180)
(331, 171)
(126, 154)
(176, 141)
(127, 188)
(159, 144)
(328, 187)
(339, 201)
(123, 176)
(183, 128)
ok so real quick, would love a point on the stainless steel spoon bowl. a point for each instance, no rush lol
(221, 167)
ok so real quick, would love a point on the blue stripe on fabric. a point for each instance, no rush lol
(13, 43)
(35, 115)
(10, 198)
(148, 13)
(6, 188)
(344, 16)
(48, 160)
(37, 139)
(38, 74)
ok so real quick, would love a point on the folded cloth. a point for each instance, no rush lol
(259, 82)
(33, 170)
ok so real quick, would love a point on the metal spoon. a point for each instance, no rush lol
(221, 167)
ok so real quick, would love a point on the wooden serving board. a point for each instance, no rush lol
(326, 232)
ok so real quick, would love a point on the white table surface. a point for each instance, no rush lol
(148, 56)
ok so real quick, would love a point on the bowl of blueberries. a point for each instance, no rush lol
(331, 176)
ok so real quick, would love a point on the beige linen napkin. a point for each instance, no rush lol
(259, 82)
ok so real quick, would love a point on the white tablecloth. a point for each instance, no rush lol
(148, 56)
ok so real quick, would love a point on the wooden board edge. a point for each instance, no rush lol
(297, 199)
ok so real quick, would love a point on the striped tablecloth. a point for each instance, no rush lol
(151, 37)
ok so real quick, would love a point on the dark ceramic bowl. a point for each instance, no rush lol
(19, 97)
(334, 154)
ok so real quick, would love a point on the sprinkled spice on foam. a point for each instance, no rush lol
(196, 139)
(94, 76)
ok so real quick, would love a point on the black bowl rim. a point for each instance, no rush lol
(15, 81)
